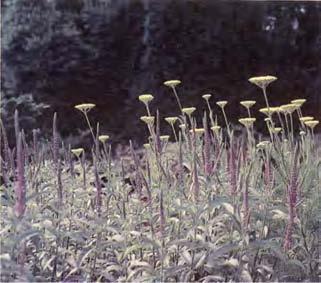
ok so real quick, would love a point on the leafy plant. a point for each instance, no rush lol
(213, 205)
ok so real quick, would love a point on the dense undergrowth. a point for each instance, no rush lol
(211, 205)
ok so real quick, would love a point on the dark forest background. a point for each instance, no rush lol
(58, 53)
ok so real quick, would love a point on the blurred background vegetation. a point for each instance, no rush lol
(58, 53)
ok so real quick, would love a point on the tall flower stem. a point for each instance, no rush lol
(147, 109)
(172, 125)
(89, 125)
(281, 122)
(248, 111)
(266, 100)
(287, 124)
(211, 113)
(178, 101)
(269, 112)
(227, 124)
(291, 123)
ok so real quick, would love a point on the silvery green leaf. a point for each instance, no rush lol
(187, 257)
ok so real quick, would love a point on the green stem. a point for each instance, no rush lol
(172, 125)
(178, 102)
(89, 125)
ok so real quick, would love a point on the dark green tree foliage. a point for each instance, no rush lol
(59, 53)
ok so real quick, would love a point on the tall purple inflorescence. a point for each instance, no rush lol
(195, 181)
(207, 149)
(292, 202)
(231, 164)
(55, 140)
(16, 125)
(6, 157)
(20, 186)
(56, 160)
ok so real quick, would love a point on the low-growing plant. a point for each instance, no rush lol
(209, 204)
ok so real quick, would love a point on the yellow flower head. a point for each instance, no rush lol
(262, 81)
(247, 122)
(221, 103)
(215, 129)
(277, 109)
(306, 118)
(85, 107)
(164, 138)
(298, 102)
(145, 98)
(311, 123)
(276, 130)
(288, 108)
(270, 110)
(188, 110)
(262, 144)
(103, 138)
(77, 151)
(146, 145)
(171, 120)
(198, 131)
(182, 126)
(148, 119)
(172, 83)
(248, 103)
(206, 96)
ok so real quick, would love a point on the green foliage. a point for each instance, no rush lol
(251, 213)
